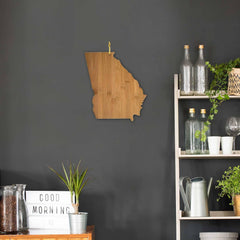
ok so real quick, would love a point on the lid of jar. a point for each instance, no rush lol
(186, 46)
(191, 110)
(203, 110)
(201, 46)
(9, 187)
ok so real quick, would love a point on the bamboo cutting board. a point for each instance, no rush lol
(117, 95)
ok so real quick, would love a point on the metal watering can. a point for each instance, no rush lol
(195, 198)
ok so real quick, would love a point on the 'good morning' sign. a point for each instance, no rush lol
(48, 202)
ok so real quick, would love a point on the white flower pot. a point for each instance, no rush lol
(227, 145)
(214, 145)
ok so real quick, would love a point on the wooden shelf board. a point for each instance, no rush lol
(201, 97)
(214, 215)
(50, 234)
(211, 218)
(183, 155)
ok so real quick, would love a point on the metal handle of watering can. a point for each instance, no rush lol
(183, 193)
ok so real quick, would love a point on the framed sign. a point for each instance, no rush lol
(48, 209)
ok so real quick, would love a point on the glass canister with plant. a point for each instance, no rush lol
(229, 186)
(75, 180)
(218, 91)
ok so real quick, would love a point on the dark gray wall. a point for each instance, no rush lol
(46, 113)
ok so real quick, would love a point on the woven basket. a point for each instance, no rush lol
(236, 205)
(234, 82)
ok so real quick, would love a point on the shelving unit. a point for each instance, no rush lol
(180, 155)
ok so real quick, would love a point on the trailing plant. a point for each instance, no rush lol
(217, 92)
(230, 183)
(75, 180)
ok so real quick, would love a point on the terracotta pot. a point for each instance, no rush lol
(236, 205)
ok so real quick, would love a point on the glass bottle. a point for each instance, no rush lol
(202, 120)
(186, 74)
(22, 209)
(8, 209)
(192, 144)
(200, 74)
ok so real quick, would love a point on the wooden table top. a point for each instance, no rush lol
(48, 233)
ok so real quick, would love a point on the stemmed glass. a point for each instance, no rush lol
(233, 128)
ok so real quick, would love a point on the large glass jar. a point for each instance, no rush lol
(9, 209)
(22, 209)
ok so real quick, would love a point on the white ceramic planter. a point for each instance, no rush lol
(227, 144)
(214, 145)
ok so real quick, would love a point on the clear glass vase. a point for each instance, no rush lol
(22, 209)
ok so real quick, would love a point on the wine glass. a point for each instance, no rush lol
(233, 128)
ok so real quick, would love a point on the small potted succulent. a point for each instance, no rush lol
(229, 186)
(75, 180)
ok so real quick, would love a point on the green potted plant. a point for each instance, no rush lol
(75, 180)
(229, 186)
(218, 91)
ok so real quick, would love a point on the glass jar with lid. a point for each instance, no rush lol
(8, 209)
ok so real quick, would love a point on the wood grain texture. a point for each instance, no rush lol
(89, 235)
(117, 95)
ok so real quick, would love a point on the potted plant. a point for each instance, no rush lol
(75, 180)
(218, 91)
(229, 186)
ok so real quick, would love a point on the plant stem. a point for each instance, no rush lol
(72, 197)
(75, 207)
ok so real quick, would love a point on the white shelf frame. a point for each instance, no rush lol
(214, 215)
(234, 155)
(177, 171)
(199, 97)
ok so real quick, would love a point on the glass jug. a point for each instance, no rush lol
(9, 209)
(22, 209)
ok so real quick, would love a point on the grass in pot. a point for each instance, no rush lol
(75, 179)
(229, 186)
